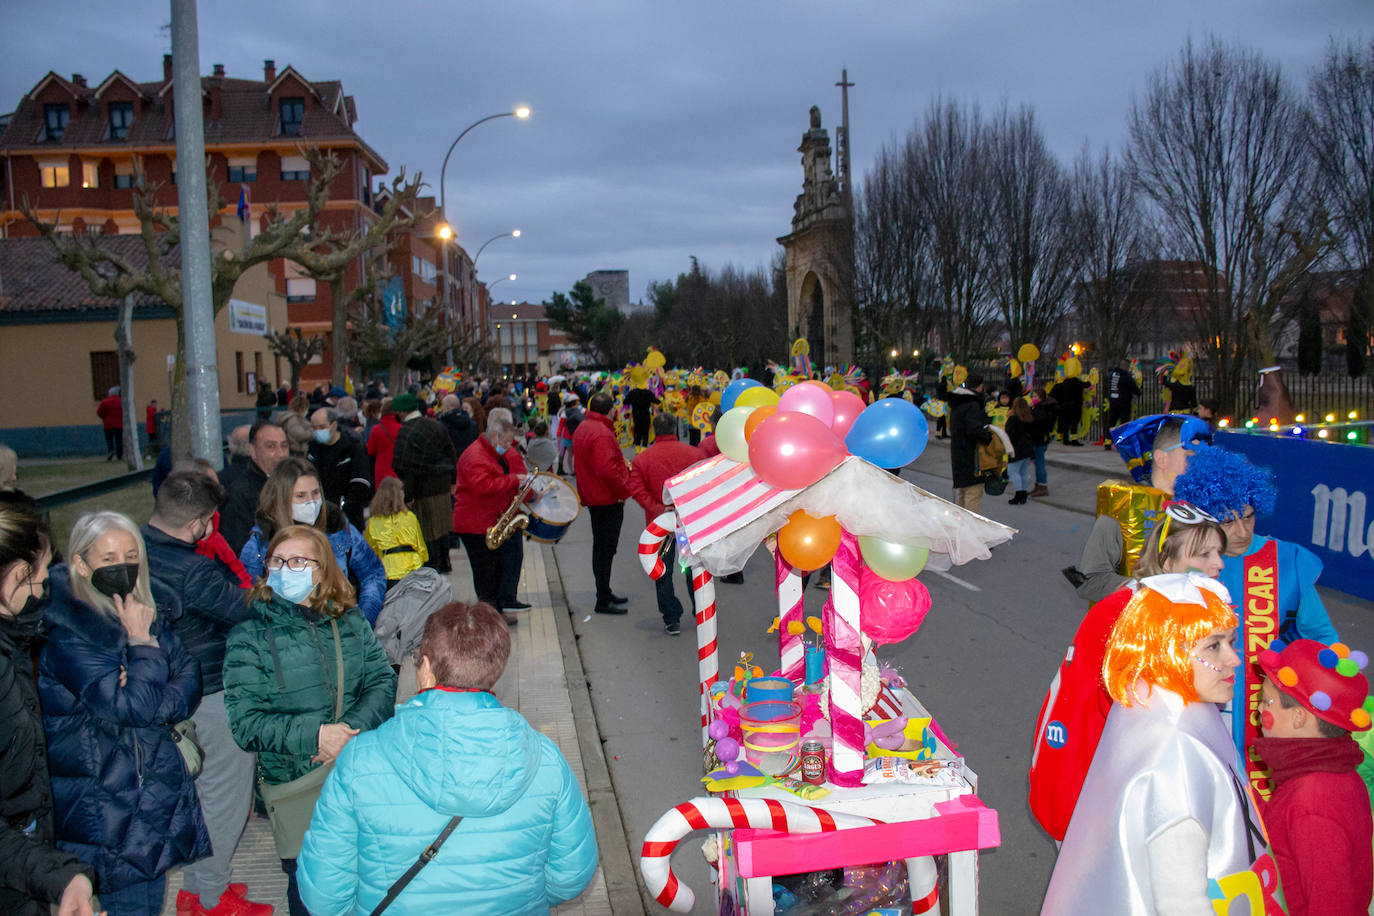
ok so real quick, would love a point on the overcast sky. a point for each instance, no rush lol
(663, 130)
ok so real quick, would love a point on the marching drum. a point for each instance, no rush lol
(553, 510)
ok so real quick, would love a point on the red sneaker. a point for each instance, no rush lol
(188, 904)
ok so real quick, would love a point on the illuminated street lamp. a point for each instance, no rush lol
(514, 234)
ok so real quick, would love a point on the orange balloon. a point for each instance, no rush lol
(808, 542)
(758, 416)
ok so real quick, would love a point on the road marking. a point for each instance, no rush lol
(957, 581)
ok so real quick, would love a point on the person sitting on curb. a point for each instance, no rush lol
(1318, 818)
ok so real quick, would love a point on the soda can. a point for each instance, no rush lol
(813, 762)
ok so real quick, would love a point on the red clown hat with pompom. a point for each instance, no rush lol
(1326, 680)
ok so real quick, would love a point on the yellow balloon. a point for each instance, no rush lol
(757, 396)
(1028, 353)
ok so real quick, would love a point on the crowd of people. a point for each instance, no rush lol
(227, 644)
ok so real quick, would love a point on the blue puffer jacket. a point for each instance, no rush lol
(355, 557)
(526, 840)
(123, 798)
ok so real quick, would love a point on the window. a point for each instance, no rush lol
(124, 174)
(292, 113)
(121, 116)
(300, 286)
(243, 169)
(257, 367)
(104, 373)
(55, 118)
(90, 174)
(424, 269)
(295, 168)
(238, 371)
(55, 174)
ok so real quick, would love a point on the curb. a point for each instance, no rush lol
(622, 878)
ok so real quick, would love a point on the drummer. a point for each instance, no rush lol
(490, 473)
(651, 468)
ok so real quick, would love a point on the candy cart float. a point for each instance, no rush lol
(806, 469)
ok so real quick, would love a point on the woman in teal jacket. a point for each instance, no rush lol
(525, 841)
(281, 685)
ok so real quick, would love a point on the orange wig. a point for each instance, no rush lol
(1152, 641)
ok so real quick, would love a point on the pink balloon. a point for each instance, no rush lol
(809, 397)
(794, 450)
(890, 611)
(847, 406)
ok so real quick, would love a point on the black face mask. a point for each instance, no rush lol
(28, 620)
(115, 581)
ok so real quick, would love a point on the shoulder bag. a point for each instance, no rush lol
(290, 805)
(188, 742)
(426, 857)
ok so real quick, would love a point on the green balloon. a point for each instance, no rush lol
(730, 434)
(894, 562)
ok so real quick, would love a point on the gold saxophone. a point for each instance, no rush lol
(511, 520)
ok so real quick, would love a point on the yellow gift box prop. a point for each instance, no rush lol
(1136, 509)
(918, 738)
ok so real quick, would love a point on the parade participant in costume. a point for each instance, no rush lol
(1121, 391)
(1318, 819)
(640, 400)
(1075, 709)
(1274, 582)
(1158, 448)
(1068, 391)
(1164, 823)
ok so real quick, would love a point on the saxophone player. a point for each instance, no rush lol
(490, 474)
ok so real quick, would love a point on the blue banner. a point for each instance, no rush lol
(1323, 504)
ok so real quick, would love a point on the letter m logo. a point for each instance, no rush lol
(1343, 513)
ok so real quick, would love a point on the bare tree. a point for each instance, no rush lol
(377, 340)
(704, 318)
(1032, 251)
(890, 259)
(1116, 243)
(1217, 148)
(297, 349)
(946, 159)
(1340, 131)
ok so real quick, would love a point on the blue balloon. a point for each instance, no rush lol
(734, 390)
(891, 433)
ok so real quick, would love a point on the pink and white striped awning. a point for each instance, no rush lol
(717, 496)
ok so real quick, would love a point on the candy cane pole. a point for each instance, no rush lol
(725, 813)
(652, 539)
(708, 664)
(791, 649)
(844, 659)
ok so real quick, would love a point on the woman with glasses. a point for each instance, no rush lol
(301, 677)
(293, 495)
(112, 681)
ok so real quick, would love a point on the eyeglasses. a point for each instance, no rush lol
(295, 564)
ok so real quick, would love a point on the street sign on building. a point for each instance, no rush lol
(247, 318)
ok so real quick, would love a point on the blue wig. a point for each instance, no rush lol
(1220, 482)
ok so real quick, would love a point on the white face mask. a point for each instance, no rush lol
(306, 512)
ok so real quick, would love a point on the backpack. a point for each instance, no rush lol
(574, 418)
(408, 605)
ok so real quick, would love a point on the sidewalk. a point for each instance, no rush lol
(537, 684)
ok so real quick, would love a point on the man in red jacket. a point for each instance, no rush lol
(603, 485)
(667, 457)
(111, 414)
(1318, 818)
(490, 472)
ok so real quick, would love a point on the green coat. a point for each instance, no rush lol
(276, 708)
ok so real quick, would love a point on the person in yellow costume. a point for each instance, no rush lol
(1068, 391)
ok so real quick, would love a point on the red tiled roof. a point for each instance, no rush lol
(33, 280)
(246, 116)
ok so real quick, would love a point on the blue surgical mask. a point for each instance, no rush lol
(501, 449)
(292, 585)
(322, 436)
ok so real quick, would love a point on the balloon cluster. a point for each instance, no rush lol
(793, 440)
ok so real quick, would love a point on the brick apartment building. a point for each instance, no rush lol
(525, 343)
(69, 147)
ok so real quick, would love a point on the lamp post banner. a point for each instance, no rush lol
(1323, 503)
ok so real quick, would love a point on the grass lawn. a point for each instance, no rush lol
(40, 478)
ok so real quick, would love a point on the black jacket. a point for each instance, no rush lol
(345, 474)
(968, 428)
(240, 505)
(1022, 438)
(33, 871)
(461, 428)
(209, 599)
(1045, 413)
(123, 799)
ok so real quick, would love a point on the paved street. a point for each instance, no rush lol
(981, 663)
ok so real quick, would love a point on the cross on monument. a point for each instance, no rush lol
(842, 136)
